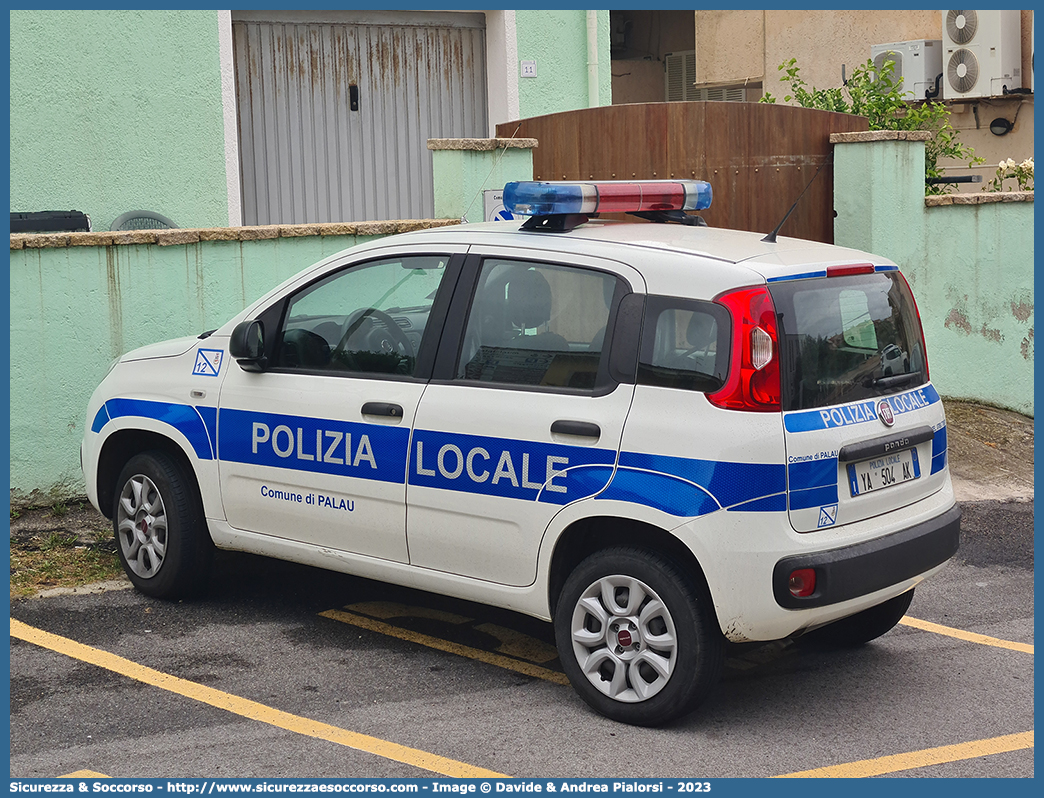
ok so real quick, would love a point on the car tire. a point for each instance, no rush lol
(864, 626)
(637, 637)
(161, 535)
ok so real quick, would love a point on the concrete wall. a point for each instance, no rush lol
(80, 300)
(114, 111)
(557, 41)
(464, 169)
(968, 258)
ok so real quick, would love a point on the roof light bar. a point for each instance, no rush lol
(551, 197)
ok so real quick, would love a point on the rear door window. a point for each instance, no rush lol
(848, 338)
(537, 325)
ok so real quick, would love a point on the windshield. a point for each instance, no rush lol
(844, 339)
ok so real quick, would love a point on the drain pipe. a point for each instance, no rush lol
(592, 59)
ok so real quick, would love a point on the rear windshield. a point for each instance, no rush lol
(847, 338)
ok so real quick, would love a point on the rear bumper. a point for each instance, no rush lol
(852, 571)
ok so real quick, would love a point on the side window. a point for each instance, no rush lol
(536, 324)
(366, 319)
(685, 344)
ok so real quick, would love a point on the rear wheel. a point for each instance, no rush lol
(864, 626)
(161, 535)
(637, 638)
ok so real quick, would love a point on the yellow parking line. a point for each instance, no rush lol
(249, 709)
(527, 668)
(960, 634)
(918, 759)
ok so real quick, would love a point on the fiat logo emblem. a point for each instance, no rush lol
(884, 412)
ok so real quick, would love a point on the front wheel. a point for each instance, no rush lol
(161, 535)
(637, 638)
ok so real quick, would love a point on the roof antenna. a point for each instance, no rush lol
(771, 237)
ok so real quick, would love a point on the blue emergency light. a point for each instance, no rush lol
(553, 197)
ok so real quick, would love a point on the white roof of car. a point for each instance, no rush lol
(783, 257)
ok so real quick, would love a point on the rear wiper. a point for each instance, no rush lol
(895, 379)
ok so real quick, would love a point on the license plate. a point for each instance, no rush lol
(883, 472)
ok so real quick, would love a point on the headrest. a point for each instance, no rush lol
(701, 331)
(528, 299)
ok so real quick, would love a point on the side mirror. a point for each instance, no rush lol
(247, 345)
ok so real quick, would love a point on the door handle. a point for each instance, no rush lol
(582, 428)
(382, 409)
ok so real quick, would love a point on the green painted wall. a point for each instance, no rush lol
(463, 175)
(75, 309)
(113, 111)
(557, 41)
(970, 267)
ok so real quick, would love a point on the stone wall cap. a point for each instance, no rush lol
(880, 135)
(980, 198)
(99, 239)
(481, 145)
(186, 235)
(178, 235)
(134, 237)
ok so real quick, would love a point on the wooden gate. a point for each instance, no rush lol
(758, 157)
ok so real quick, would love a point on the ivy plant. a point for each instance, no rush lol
(877, 94)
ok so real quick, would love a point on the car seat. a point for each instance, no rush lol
(528, 305)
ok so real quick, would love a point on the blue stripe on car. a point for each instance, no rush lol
(525, 470)
(939, 448)
(100, 419)
(184, 418)
(812, 483)
(326, 446)
(813, 497)
(513, 469)
(664, 492)
(859, 412)
(728, 483)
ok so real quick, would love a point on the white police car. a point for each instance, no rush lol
(659, 436)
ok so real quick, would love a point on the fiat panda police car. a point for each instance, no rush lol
(658, 436)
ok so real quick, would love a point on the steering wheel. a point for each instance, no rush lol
(371, 330)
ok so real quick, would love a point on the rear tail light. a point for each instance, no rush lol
(753, 382)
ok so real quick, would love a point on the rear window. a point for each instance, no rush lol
(844, 339)
(685, 344)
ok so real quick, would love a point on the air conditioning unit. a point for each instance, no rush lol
(918, 63)
(982, 53)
